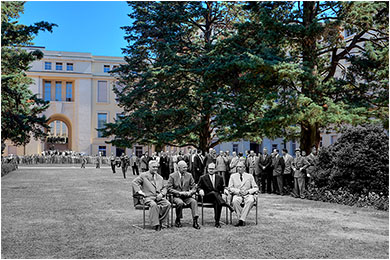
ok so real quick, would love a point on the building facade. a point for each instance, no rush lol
(80, 90)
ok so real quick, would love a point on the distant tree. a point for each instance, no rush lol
(312, 78)
(20, 109)
(168, 91)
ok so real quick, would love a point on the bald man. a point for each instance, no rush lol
(182, 185)
(150, 185)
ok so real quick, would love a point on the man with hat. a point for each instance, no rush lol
(182, 185)
(242, 186)
(299, 165)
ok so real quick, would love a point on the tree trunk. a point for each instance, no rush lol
(310, 136)
(159, 147)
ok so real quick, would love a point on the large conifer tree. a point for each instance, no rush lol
(20, 109)
(168, 94)
(321, 79)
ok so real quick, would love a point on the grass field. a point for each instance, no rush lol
(88, 213)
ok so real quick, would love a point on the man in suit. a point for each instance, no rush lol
(265, 171)
(134, 162)
(299, 165)
(233, 163)
(125, 161)
(211, 157)
(250, 163)
(164, 166)
(198, 166)
(150, 185)
(182, 185)
(145, 162)
(211, 187)
(112, 161)
(288, 181)
(242, 186)
(278, 170)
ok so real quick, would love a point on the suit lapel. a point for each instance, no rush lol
(150, 179)
(209, 181)
(243, 180)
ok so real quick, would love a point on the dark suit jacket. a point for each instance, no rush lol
(278, 166)
(198, 167)
(267, 162)
(146, 160)
(206, 185)
(174, 183)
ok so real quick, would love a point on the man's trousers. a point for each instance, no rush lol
(158, 211)
(299, 186)
(278, 184)
(181, 202)
(216, 198)
(242, 213)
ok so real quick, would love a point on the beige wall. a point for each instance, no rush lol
(81, 113)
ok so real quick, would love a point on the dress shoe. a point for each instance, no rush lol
(217, 225)
(195, 223)
(240, 223)
(157, 228)
(177, 223)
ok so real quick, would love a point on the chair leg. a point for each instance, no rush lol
(202, 215)
(256, 210)
(143, 213)
(227, 216)
(171, 217)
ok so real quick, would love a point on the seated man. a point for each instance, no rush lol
(182, 185)
(150, 185)
(242, 186)
(211, 187)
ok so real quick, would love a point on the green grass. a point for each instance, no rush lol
(88, 213)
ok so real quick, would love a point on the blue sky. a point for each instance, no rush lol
(83, 26)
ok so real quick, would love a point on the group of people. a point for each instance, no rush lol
(222, 180)
(55, 157)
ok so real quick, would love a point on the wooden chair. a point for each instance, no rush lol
(254, 206)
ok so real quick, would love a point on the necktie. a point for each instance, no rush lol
(241, 177)
(182, 180)
(212, 180)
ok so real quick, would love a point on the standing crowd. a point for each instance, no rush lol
(276, 173)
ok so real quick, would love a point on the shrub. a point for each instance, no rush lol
(7, 168)
(343, 196)
(357, 162)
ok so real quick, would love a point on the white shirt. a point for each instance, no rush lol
(212, 178)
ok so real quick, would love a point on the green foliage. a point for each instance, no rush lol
(296, 53)
(345, 197)
(207, 72)
(7, 168)
(20, 108)
(170, 94)
(358, 161)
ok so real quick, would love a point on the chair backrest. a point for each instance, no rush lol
(137, 199)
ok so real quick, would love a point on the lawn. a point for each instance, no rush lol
(70, 212)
